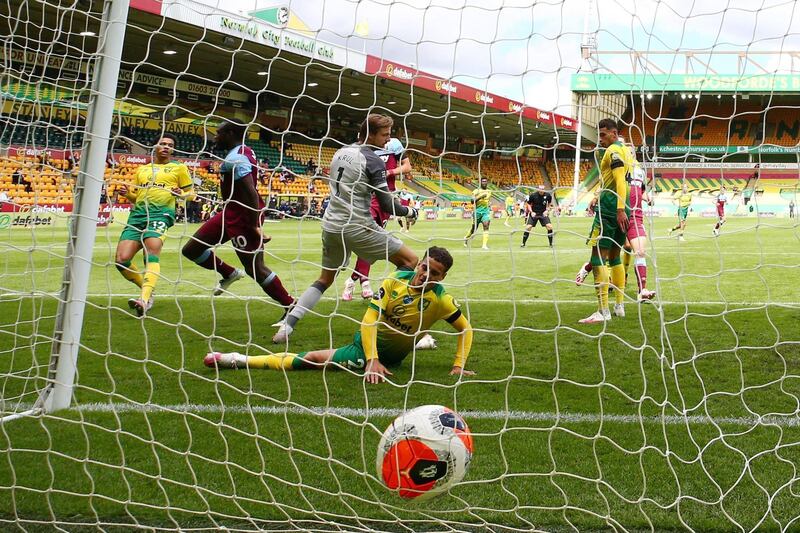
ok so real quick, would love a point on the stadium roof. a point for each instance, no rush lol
(687, 83)
(245, 53)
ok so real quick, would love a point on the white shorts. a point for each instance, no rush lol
(371, 243)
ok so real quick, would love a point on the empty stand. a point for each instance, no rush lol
(715, 122)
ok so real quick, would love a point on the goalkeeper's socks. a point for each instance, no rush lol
(210, 261)
(274, 288)
(550, 236)
(307, 301)
(278, 361)
(150, 277)
(525, 237)
(617, 279)
(131, 272)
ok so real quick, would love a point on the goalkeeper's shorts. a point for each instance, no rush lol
(369, 242)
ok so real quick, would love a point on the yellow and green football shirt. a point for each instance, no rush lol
(685, 199)
(616, 168)
(154, 183)
(509, 202)
(481, 197)
(404, 311)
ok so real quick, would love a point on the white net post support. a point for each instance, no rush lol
(576, 178)
(83, 226)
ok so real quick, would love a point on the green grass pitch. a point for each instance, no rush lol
(683, 415)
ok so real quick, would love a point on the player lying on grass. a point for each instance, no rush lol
(407, 303)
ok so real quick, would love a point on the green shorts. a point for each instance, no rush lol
(147, 223)
(606, 233)
(482, 214)
(353, 357)
(683, 212)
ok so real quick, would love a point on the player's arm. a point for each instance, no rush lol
(376, 173)
(620, 184)
(404, 168)
(185, 188)
(369, 332)
(374, 371)
(618, 174)
(243, 191)
(464, 346)
(130, 193)
(246, 194)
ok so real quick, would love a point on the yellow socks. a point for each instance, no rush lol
(281, 361)
(627, 255)
(618, 279)
(601, 281)
(150, 277)
(485, 237)
(130, 272)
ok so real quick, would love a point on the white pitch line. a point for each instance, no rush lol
(527, 416)
(463, 300)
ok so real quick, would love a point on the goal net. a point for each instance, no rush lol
(681, 414)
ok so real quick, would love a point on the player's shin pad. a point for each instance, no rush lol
(150, 277)
(618, 279)
(601, 282)
(131, 272)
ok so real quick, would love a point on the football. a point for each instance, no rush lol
(424, 452)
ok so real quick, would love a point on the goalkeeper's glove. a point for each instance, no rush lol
(413, 214)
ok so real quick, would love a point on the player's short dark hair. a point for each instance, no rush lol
(237, 129)
(169, 136)
(608, 124)
(437, 253)
(373, 123)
